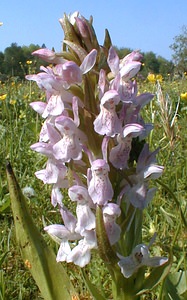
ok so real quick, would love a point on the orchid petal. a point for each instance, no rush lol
(48, 56)
(113, 61)
(130, 70)
(100, 188)
(42, 148)
(133, 129)
(153, 171)
(85, 219)
(63, 251)
(56, 196)
(80, 255)
(88, 62)
(38, 106)
(55, 106)
(57, 232)
(127, 266)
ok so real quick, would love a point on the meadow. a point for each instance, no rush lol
(20, 127)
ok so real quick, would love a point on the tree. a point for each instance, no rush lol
(166, 67)
(179, 48)
(1, 62)
(151, 63)
(14, 60)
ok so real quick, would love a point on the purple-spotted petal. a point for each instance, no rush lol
(140, 256)
(54, 107)
(85, 219)
(100, 188)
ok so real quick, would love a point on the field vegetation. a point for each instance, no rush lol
(19, 128)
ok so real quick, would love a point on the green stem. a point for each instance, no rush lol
(123, 288)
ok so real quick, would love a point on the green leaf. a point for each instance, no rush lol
(2, 285)
(69, 31)
(49, 275)
(179, 280)
(81, 53)
(2, 257)
(5, 204)
(107, 41)
(91, 288)
(76, 91)
(68, 56)
(169, 290)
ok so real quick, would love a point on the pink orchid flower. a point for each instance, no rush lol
(107, 122)
(139, 257)
(99, 187)
(48, 56)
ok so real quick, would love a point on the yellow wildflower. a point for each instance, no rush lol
(183, 96)
(151, 78)
(29, 62)
(3, 97)
(22, 115)
(152, 228)
(12, 102)
(159, 77)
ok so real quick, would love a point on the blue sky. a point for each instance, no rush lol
(138, 24)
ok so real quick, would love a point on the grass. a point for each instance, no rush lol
(19, 128)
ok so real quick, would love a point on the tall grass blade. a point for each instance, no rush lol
(49, 275)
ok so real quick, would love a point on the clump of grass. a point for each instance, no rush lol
(167, 112)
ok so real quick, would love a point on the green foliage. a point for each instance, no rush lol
(165, 67)
(179, 48)
(151, 62)
(37, 255)
(14, 62)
